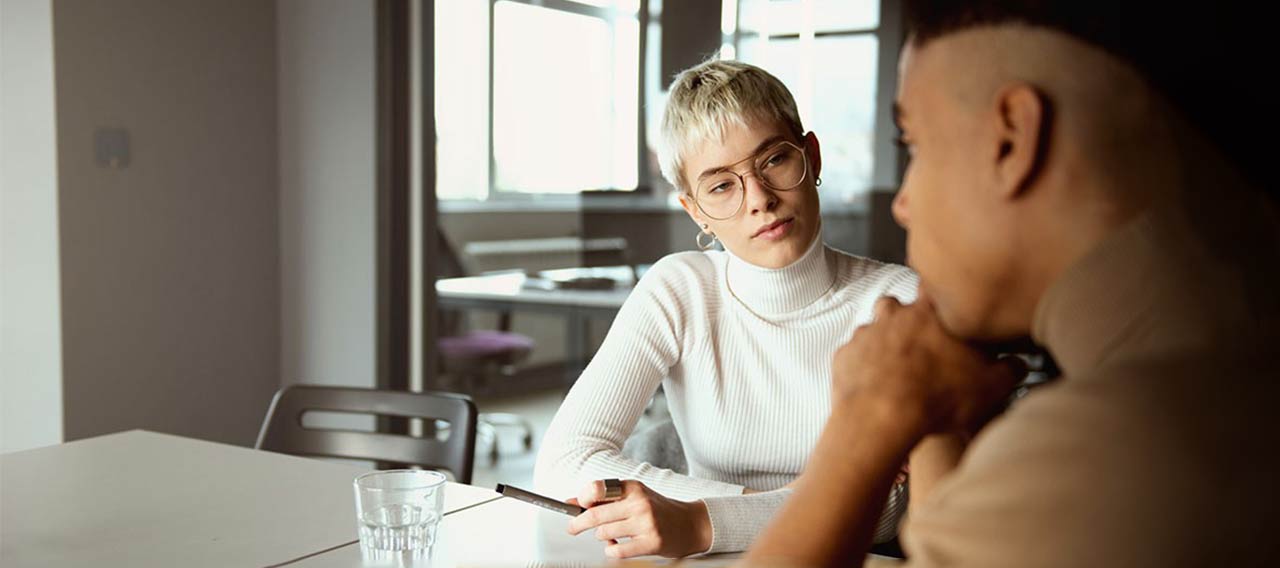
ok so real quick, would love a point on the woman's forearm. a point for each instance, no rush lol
(611, 463)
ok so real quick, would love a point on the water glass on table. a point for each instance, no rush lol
(399, 510)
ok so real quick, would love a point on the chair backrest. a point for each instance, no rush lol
(658, 445)
(282, 430)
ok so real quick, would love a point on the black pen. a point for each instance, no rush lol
(539, 500)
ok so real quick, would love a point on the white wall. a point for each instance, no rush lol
(326, 72)
(201, 277)
(170, 266)
(30, 324)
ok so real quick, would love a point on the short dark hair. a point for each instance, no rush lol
(1203, 57)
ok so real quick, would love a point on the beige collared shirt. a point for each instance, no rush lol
(1157, 447)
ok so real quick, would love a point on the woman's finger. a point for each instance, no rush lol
(596, 516)
(591, 493)
(630, 548)
(620, 529)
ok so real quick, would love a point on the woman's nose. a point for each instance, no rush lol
(760, 198)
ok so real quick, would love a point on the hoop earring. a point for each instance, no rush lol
(698, 239)
(817, 182)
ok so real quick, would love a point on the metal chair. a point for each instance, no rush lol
(282, 429)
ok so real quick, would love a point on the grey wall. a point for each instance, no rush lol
(327, 147)
(30, 325)
(170, 267)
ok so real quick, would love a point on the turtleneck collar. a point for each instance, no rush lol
(767, 291)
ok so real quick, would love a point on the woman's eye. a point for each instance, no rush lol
(721, 188)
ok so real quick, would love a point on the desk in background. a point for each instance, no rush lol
(516, 291)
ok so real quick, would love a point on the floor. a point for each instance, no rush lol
(515, 465)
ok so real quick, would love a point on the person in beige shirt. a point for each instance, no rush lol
(1054, 192)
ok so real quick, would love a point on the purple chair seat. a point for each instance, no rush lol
(503, 347)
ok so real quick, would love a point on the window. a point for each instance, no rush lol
(544, 97)
(561, 90)
(462, 100)
(826, 52)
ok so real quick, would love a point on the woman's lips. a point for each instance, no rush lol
(777, 230)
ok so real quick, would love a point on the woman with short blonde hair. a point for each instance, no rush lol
(741, 340)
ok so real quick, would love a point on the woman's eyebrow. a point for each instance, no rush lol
(759, 148)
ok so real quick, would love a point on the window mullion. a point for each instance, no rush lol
(492, 165)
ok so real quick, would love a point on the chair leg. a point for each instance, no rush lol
(486, 432)
(496, 420)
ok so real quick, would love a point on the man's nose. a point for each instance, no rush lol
(899, 209)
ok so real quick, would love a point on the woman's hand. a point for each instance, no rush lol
(653, 524)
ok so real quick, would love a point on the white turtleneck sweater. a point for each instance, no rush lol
(744, 355)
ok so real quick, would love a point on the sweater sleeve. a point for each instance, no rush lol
(736, 520)
(902, 284)
(584, 441)
(879, 280)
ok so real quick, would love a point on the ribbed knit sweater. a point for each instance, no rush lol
(744, 354)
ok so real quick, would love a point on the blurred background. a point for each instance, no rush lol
(205, 201)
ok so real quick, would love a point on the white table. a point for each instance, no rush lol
(507, 532)
(145, 499)
(141, 499)
(515, 290)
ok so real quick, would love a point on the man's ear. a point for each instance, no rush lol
(815, 153)
(1022, 127)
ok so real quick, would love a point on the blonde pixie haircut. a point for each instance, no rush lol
(706, 99)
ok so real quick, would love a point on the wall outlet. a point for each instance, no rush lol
(111, 148)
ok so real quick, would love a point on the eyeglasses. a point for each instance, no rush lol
(781, 167)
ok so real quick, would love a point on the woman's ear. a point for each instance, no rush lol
(692, 209)
(815, 153)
